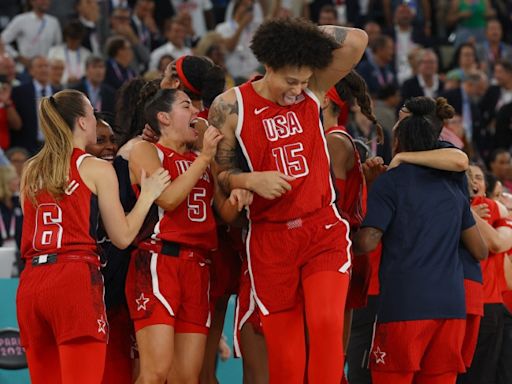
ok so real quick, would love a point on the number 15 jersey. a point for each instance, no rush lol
(288, 139)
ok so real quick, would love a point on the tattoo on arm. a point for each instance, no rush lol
(339, 34)
(226, 157)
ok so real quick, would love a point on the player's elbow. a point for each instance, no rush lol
(121, 242)
(363, 243)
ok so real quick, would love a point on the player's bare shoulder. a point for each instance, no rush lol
(223, 112)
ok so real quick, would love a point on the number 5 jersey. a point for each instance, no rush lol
(191, 223)
(66, 224)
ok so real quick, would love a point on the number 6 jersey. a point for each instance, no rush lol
(288, 139)
(64, 225)
(192, 222)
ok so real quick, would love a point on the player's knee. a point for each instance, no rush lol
(154, 375)
(326, 322)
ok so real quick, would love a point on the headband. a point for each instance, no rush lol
(183, 78)
(332, 94)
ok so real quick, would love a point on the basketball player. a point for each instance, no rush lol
(417, 211)
(60, 297)
(298, 246)
(168, 279)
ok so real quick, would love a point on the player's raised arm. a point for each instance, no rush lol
(351, 45)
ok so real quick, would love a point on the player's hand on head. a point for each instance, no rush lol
(241, 198)
(211, 139)
(373, 168)
(271, 184)
(482, 210)
(149, 134)
(155, 184)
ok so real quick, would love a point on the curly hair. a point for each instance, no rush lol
(353, 88)
(292, 42)
(130, 108)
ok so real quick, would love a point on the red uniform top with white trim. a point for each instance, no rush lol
(352, 198)
(491, 286)
(289, 139)
(192, 222)
(64, 225)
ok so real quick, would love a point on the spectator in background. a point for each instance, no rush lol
(213, 46)
(174, 32)
(89, 14)
(120, 25)
(33, 32)
(503, 137)
(8, 68)
(385, 107)
(17, 156)
(379, 72)
(328, 15)
(9, 117)
(26, 98)
(144, 25)
(71, 52)
(200, 11)
(500, 166)
(57, 68)
(470, 17)
(101, 95)
(464, 100)
(373, 31)
(427, 81)
(407, 37)
(237, 32)
(120, 56)
(465, 61)
(10, 209)
(492, 49)
(497, 95)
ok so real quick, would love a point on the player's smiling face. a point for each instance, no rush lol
(477, 180)
(182, 117)
(105, 147)
(287, 83)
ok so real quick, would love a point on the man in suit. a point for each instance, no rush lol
(464, 100)
(101, 95)
(497, 95)
(26, 98)
(426, 82)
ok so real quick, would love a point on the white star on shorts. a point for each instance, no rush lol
(141, 302)
(101, 325)
(379, 356)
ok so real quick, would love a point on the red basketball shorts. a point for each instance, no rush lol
(246, 310)
(224, 270)
(62, 301)
(173, 290)
(120, 348)
(429, 346)
(357, 296)
(280, 255)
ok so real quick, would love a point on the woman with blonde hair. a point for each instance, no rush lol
(60, 305)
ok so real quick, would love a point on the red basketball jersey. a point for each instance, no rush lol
(65, 225)
(192, 223)
(289, 139)
(352, 200)
(491, 286)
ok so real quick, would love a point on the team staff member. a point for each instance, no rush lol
(168, 279)
(272, 125)
(421, 275)
(60, 298)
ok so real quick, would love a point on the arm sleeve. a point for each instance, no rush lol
(381, 203)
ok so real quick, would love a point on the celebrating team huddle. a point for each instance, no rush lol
(257, 191)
